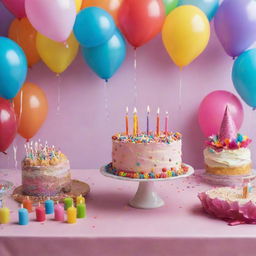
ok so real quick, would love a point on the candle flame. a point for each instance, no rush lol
(127, 110)
(148, 109)
(135, 111)
(158, 110)
(166, 113)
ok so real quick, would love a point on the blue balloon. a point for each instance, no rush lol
(244, 76)
(209, 7)
(13, 68)
(105, 59)
(93, 27)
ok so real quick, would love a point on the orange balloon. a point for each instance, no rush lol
(22, 32)
(111, 6)
(34, 109)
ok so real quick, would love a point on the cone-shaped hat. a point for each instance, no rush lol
(228, 127)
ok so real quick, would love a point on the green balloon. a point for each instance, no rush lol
(170, 5)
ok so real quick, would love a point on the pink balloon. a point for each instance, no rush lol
(16, 7)
(212, 108)
(54, 19)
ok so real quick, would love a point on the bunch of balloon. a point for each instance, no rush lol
(235, 26)
(8, 124)
(31, 108)
(103, 46)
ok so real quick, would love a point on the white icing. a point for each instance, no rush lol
(227, 158)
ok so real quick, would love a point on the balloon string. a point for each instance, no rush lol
(180, 87)
(106, 100)
(58, 93)
(135, 77)
(21, 107)
(15, 154)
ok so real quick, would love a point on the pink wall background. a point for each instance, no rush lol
(83, 126)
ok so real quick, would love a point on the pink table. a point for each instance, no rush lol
(113, 228)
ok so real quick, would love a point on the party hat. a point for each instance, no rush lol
(228, 127)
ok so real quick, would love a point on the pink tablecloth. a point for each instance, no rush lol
(113, 228)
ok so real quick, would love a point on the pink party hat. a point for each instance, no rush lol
(228, 127)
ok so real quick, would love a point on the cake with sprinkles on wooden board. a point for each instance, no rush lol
(45, 171)
(147, 155)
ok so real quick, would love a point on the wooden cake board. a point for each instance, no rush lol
(77, 188)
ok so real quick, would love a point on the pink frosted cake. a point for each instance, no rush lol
(147, 156)
(45, 171)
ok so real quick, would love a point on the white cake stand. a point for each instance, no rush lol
(146, 197)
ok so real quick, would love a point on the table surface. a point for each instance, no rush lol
(109, 218)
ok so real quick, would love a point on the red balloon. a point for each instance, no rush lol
(8, 124)
(141, 20)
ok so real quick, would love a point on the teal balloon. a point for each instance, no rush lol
(93, 27)
(244, 76)
(209, 7)
(170, 5)
(105, 59)
(13, 68)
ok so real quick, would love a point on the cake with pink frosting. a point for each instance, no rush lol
(227, 153)
(147, 156)
(45, 171)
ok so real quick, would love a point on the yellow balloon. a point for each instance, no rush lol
(57, 56)
(78, 4)
(185, 34)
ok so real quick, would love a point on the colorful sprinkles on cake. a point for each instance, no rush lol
(143, 137)
(216, 144)
(42, 155)
(166, 173)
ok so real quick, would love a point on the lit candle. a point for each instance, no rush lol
(80, 200)
(71, 215)
(4, 215)
(23, 216)
(166, 123)
(158, 122)
(49, 206)
(148, 111)
(68, 202)
(81, 210)
(27, 203)
(135, 122)
(126, 122)
(59, 212)
(40, 213)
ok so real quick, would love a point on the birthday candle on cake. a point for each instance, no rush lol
(148, 111)
(135, 122)
(166, 122)
(127, 122)
(158, 122)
